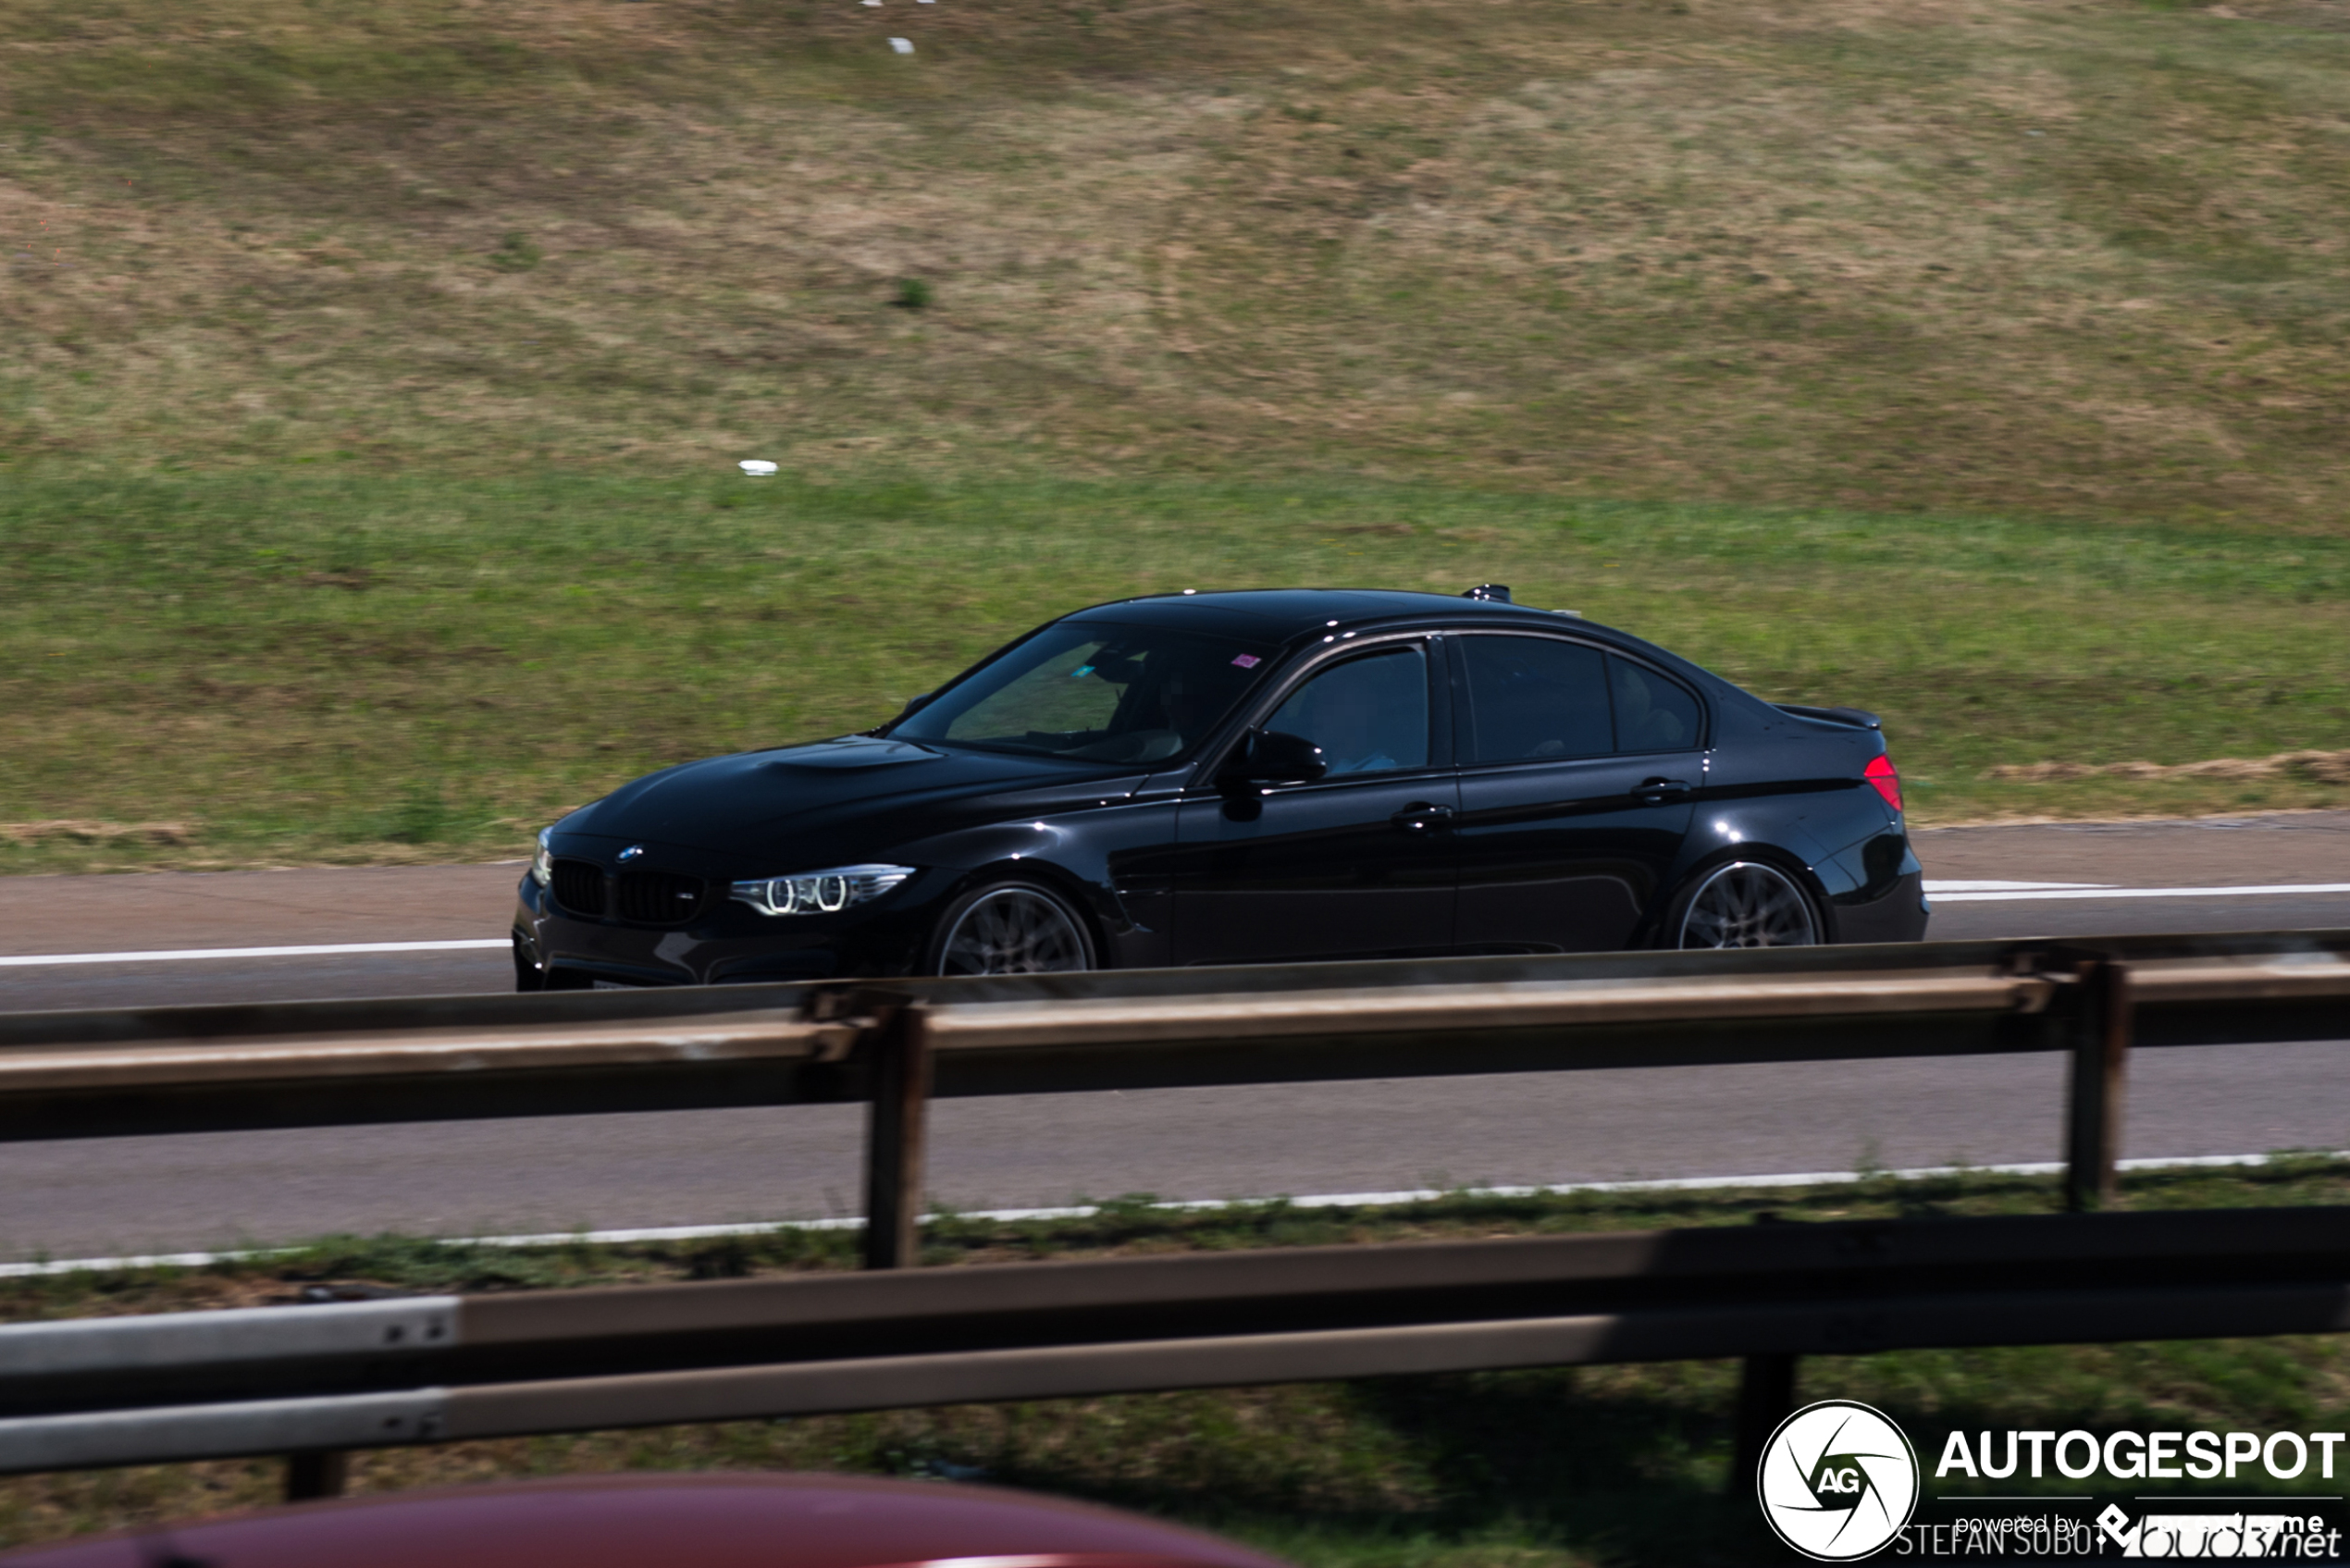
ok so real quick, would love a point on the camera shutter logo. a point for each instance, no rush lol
(1839, 1480)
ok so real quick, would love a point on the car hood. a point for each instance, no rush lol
(755, 800)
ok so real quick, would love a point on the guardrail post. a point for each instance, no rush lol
(1766, 1397)
(316, 1473)
(2100, 1061)
(894, 1139)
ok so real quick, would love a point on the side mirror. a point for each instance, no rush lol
(1277, 757)
(915, 704)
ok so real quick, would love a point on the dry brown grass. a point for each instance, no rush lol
(2079, 258)
(77, 831)
(2323, 767)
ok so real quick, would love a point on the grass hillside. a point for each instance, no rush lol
(2081, 258)
(371, 376)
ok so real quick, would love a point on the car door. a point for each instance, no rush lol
(1576, 766)
(1355, 864)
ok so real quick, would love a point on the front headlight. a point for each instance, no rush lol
(819, 892)
(542, 864)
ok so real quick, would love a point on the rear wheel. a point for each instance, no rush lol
(1746, 904)
(1011, 928)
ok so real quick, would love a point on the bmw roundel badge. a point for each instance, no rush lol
(631, 852)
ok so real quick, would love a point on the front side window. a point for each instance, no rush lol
(1094, 692)
(1534, 699)
(1369, 715)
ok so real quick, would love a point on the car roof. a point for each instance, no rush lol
(711, 1520)
(1278, 614)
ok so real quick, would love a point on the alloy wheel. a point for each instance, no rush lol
(1013, 930)
(1747, 904)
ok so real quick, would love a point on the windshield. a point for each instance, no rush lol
(1095, 691)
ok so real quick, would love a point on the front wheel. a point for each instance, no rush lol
(1011, 928)
(1745, 903)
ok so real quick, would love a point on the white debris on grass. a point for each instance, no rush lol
(903, 45)
(757, 468)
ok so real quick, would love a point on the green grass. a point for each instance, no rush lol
(1544, 1469)
(347, 667)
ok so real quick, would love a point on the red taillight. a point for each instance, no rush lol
(1888, 778)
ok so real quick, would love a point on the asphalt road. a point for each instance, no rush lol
(147, 1194)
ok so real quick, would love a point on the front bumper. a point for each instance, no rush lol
(731, 943)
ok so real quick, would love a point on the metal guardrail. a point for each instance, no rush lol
(896, 1046)
(200, 1384)
(212, 1069)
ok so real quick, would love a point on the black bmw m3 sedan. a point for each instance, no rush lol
(1255, 777)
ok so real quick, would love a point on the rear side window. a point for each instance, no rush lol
(1651, 713)
(1534, 697)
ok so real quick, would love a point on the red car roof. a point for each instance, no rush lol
(640, 1521)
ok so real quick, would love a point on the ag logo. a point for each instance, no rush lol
(1837, 1480)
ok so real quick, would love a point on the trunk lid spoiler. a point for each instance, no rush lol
(1852, 716)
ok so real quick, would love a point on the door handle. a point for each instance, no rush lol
(1658, 791)
(1420, 816)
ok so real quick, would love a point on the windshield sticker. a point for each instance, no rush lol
(1248, 662)
(1080, 672)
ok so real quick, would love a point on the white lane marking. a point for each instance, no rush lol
(175, 955)
(2277, 890)
(1086, 1211)
(1933, 886)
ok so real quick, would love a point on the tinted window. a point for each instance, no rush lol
(1534, 697)
(1091, 690)
(1369, 715)
(1651, 713)
(1054, 696)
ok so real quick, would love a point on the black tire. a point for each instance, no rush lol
(1746, 903)
(1009, 928)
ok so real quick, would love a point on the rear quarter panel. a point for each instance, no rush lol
(1776, 782)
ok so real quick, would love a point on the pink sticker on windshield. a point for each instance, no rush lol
(1248, 662)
